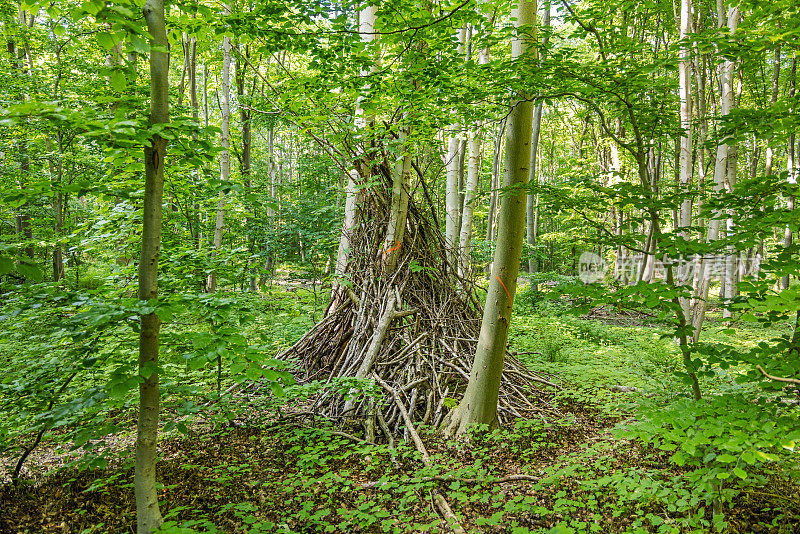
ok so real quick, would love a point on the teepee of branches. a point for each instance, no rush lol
(414, 326)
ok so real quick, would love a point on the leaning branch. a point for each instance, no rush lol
(778, 378)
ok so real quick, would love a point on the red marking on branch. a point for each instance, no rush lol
(504, 287)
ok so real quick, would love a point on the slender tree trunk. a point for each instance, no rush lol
(474, 142)
(532, 208)
(185, 46)
(247, 142)
(195, 117)
(147, 512)
(479, 404)
(398, 210)
(468, 213)
(708, 265)
(685, 159)
(366, 27)
(792, 166)
(453, 172)
(269, 262)
(224, 157)
(732, 256)
(776, 74)
(451, 195)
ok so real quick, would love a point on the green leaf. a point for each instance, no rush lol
(30, 271)
(118, 81)
(739, 472)
(276, 388)
(140, 45)
(726, 458)
(106, 40)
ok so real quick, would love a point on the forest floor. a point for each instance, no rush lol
(249, 466)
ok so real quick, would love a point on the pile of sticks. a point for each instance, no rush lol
(415, 328)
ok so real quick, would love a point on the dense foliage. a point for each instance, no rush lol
(660, 306)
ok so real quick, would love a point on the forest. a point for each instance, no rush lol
(399, 266)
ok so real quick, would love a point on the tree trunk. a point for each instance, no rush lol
(776, 74)
(685, 159)
(366, 27)
(247, 142)
(474, 142)
(453, 166)
(147, 512)
(451, 196)
(479, 404)
(398, 211)
(532, 208)
(730, 173)
(224, 157)
(792, 167)
(491, 219)
(706, 271)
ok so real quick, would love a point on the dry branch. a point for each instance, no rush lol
(441, 502)
(778, 378)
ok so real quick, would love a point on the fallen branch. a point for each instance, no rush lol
(777, 378)
(447, 512)
(441, 478)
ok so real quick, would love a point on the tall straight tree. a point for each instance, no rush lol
(479, 404)
(366, 29)
(148, 515)
(722, 166)
(685, 172)
(474, 142)
(452, 171)
(532, 208)
(225, 155)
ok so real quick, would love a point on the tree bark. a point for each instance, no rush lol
(479, 404)
(685, 160)
(532, 208)
(224, 157)
(366, 28)
(453, 171)
(147, 512)
(706, 271)
(474, 142)
(398, 211)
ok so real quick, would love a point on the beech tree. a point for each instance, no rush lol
(147, 510)
(479, 404)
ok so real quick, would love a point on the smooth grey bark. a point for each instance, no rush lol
(366, 28)
(721, 166)
(479, 404)
(731, 165)
(532, 208)
(148, 515)
(224, 157)
(398, 210)
(451, 196)
(474, 148)
(685, 174)
(452, 173)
